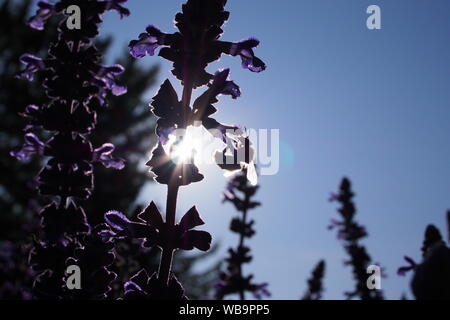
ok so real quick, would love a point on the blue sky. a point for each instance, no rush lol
(370, 105)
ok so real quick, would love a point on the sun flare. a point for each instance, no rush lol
(183, 149)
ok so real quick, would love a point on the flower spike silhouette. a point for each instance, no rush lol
(351, 232)
(68, 117)
(195, 45)
(240, 192)
(431, 277)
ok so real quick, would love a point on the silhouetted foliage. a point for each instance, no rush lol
(191, 49)
(315, 286)
(232, 281)
(350, 232)
(431, 279)
(68, 116)
(16, 187)
(125, 122)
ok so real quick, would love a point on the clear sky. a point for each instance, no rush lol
(370, 105)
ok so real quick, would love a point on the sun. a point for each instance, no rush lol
(186, 148)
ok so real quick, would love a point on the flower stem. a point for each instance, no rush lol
(172, 192)
(186, 99)
(241, 242)
(167, 252)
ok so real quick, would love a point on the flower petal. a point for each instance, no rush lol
(32, 64)
(117, 220)
(32, 145)
(245, 50)
(45, 11)
(147, 42)
(103, 155)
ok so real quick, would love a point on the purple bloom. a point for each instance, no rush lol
(74, 84)
(45, 11)
(197, 42)
(32, 145)
(221, 84)
(108, 76)
(147, 42)
(244, 49)
(32, 64)
(190, 49)
(103, 155)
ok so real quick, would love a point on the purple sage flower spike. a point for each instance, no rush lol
(195, 45)
(76, 85)
(351, 232)
(240, 192)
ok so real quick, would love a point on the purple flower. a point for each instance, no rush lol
(244, 49)
(108, 76)
(31, 146)
(74, 84)
(221, 84)
(32, 64)
(147, 42)
(197, 42)
(103, 155)
(45, 11)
